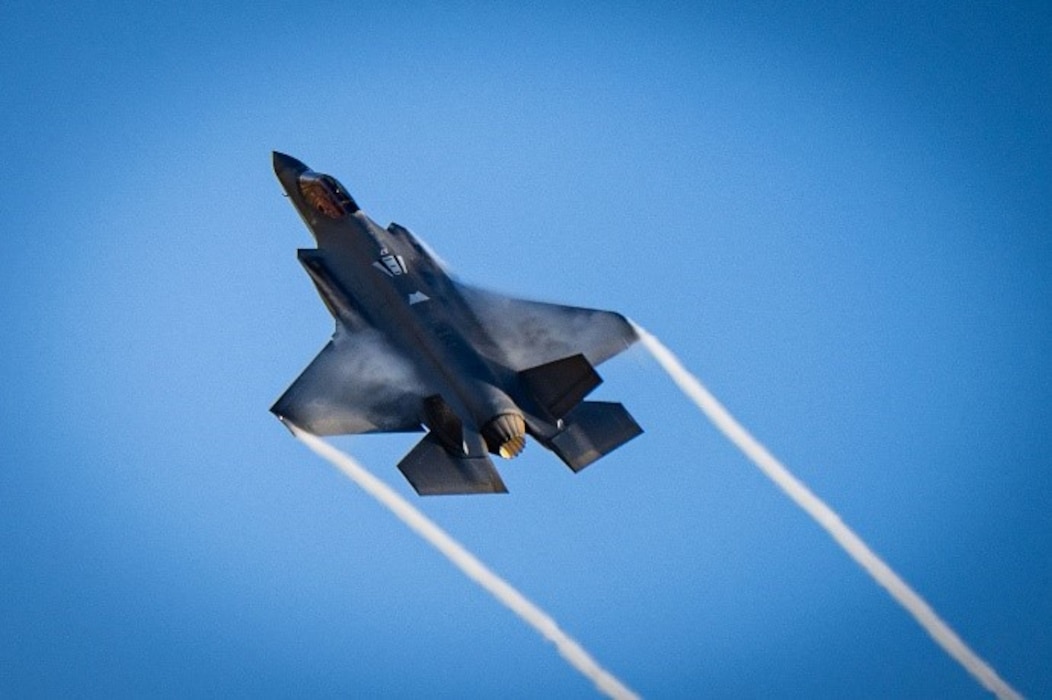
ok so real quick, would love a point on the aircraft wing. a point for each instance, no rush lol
(532, 333)
(357, 384)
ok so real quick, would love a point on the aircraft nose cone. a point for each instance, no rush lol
(284, 162)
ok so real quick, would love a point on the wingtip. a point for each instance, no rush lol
(289, 425)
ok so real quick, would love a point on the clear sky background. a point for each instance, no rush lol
(839, 215)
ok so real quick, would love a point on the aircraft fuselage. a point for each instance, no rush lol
(386, 278)
(414, 349)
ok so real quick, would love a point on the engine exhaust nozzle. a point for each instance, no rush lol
(505, 435)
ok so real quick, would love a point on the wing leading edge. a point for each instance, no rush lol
(358, 383)
(533, 333)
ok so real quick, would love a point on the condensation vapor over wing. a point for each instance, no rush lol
(472, 567)
(830, 521)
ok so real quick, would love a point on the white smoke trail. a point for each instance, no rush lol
(472, 567)
(830, 521)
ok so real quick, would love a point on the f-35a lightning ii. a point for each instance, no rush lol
(414, 349)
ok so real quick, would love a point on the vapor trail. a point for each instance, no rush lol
(824, 516)
(466, 562)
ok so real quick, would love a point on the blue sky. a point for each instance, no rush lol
(839, 216)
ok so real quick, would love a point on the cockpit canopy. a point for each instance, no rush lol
(324, 194)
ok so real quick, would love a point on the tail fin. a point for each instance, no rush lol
(562, 384)
(433, 470)
(593, 429)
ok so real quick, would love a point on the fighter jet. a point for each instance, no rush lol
(414, 349)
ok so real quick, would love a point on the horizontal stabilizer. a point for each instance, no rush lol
(561, 385)
(432, 471)
(593, 429)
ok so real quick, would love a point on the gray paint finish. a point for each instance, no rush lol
(414, 350)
